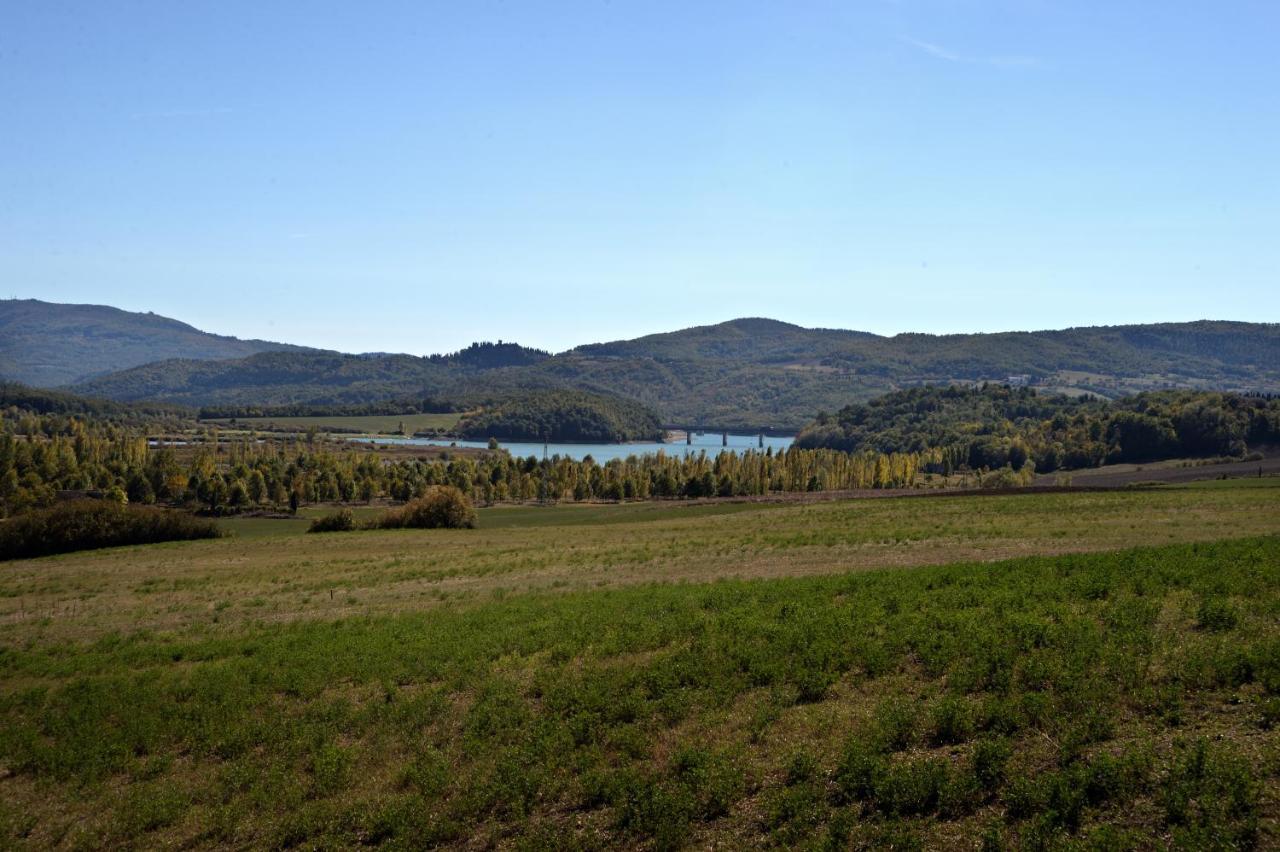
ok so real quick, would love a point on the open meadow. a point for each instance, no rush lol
(1034, 669)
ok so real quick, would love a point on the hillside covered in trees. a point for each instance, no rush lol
(329, 381)
(17, 400)
(957, 427)
(571, 416)
(747, 373)
(49, 344)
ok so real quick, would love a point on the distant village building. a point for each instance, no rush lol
(1018, 381)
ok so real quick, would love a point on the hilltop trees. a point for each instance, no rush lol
(956, 427)
(563, 416)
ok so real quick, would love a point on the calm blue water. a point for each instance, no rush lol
(604, 452)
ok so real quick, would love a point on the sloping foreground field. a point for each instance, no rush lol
(271, 571)
(831, 675)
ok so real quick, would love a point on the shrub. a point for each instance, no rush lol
(443, 507)
(712, 780)
(1212, 797)
(913, 788)
(339, 521)
(1216, 615)
(812, 684)
(801, 767)
(895, 725)
(1025, 797)
(89, 524)
(659, 810)
(860, 769)
(792, 813)
(950, 722)
(989, 758)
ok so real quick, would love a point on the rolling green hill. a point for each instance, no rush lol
(49, 345)
(746, 373)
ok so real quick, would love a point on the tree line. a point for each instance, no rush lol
(44, 454)
(993, 426)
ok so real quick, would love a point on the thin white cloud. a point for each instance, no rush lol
(937, 51)
(934, 50)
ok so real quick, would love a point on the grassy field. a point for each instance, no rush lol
(921, 673)
(373, 424)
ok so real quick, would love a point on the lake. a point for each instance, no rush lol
(709, 442)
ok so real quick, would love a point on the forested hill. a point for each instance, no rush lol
(563, 416)
(17, 400)
(49, 344)
(747, 373)
(273, 379)
(996, 425)
(1226, 351)
(754, 340)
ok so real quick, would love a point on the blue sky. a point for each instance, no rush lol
(414, 176)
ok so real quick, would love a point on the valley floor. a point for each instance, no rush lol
(923, 672)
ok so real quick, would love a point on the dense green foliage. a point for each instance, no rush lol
(571, 416)
(360, 424)
(963, 427)
(489, 356)
(385, 407)
(748, 373)
(88, 524)
(443, 507)
(48, 344)
(43, 454)
(17, 399)
(277, 379)
(343, 520)
(1033, 703)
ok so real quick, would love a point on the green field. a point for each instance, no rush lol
(372, 424)
(1098, 670)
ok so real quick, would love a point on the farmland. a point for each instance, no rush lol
(1027, 668)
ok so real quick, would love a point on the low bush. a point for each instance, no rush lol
(912, 788)
(1216, 615)
(895, 723)
(950, 722)
(339, 521)
(89, 524)
(444, 507)
(990, 755)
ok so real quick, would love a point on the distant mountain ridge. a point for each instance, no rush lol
(747, 373)
(47, 344)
